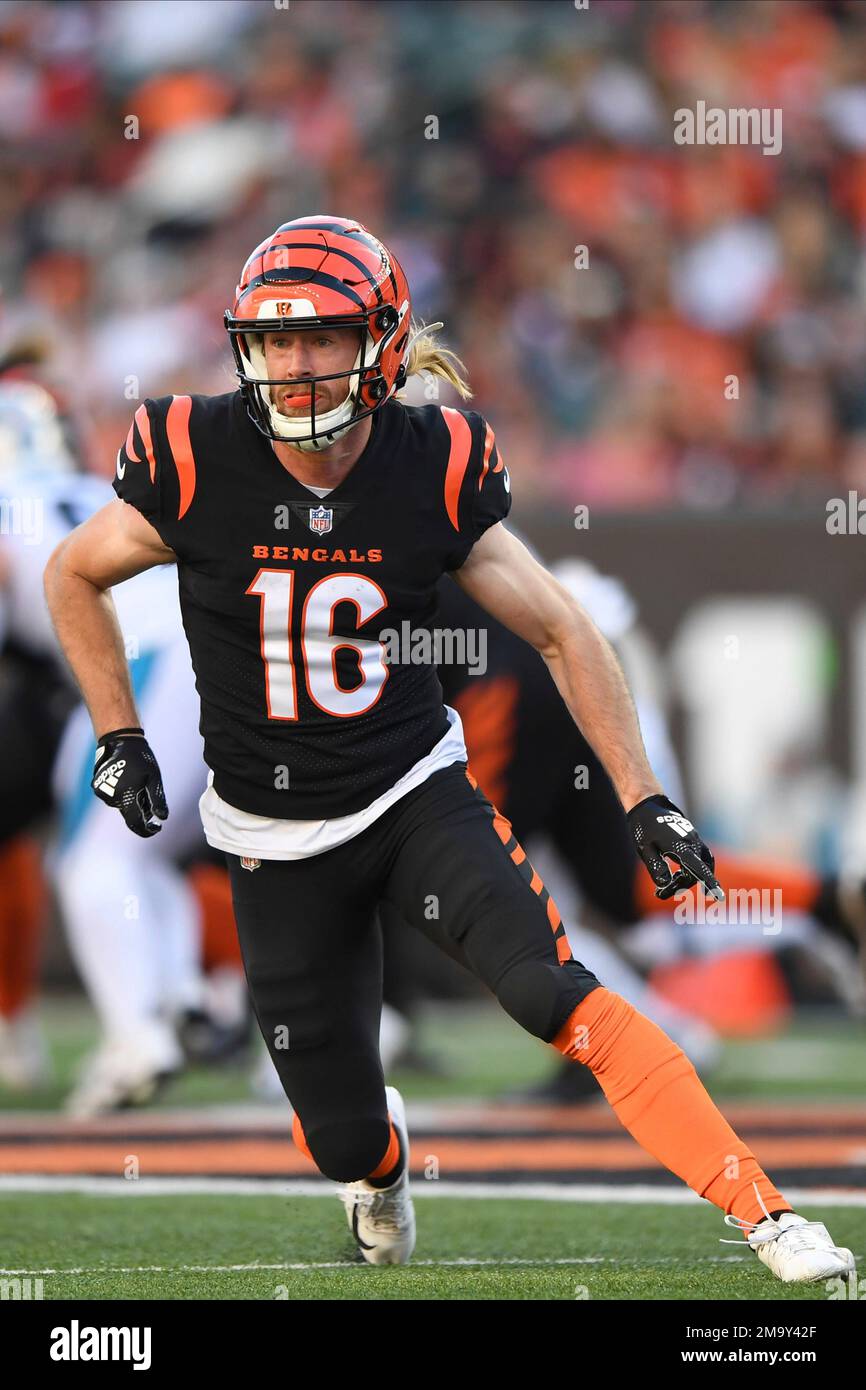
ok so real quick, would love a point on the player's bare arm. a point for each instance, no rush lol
(502, 575)
(508, 581)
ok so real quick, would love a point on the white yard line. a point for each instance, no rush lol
(465, 1261)
(276, 1187)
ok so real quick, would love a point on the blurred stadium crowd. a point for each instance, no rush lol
(145, 147)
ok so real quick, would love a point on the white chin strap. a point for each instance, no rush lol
(330, 424)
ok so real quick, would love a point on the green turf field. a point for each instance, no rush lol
(479, 1051)
(270, 1247)
(190, 1247)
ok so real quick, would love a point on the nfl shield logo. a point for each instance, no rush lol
(321, 519)
(247, 863)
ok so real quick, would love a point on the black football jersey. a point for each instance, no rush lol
(285, 596)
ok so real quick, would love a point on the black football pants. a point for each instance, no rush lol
(312, 952)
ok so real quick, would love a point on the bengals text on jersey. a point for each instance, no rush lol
(284, 594)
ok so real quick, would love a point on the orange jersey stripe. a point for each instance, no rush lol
(458, 460)
(489, 441)
(143, 421)
(177, 428)
(129, 446)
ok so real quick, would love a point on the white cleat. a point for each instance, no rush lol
(394, 1034)
(382, 1219)
(125, 1073)
(796, 1250)
(24, 1060)
(265, 1080)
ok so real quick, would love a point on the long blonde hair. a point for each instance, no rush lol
(427, 355)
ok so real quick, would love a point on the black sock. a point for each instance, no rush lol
(396, 1172)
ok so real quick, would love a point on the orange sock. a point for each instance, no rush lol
(300, 1138)
(389, 1161)
(22, 915)
(659, 1098)
(799, 887)
(392, 1155)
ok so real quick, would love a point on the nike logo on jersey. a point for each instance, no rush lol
(107, 780)
(120, 470)
(677, 823)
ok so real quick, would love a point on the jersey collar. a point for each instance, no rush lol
(369, 472)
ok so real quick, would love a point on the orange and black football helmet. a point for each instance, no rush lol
(317, 272)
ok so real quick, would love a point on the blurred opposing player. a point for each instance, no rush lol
(131, 917)
(546, 779)
(131, 920)
(311, 514)
(36, 695)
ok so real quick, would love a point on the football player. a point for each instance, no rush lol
(311, 514)
(130, 917)
(36, 480)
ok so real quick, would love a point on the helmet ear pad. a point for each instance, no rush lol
(388, 331)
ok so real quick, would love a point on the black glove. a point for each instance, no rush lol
(126, 775)
(662, 832)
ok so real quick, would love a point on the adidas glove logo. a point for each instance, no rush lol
(106, 780)
(677, 823)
